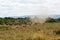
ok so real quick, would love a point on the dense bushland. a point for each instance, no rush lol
(14, 21)
(20, 21)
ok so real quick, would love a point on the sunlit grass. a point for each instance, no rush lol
(33, 32)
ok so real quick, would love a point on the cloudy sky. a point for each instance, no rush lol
(29, 7)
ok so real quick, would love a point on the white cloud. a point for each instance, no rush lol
(29, 7)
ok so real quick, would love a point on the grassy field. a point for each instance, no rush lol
(47, 31)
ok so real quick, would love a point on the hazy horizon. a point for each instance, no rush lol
(52, 16)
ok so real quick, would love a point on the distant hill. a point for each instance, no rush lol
(55, 16)
(39, 16)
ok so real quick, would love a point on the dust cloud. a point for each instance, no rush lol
(39, 19)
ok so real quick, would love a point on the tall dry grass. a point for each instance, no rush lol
(33, 32)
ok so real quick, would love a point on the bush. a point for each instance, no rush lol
(57, 31)
(14, 21)
(50, 20)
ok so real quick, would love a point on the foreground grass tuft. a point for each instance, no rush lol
(37, 38)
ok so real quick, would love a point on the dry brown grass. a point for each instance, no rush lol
(33, 32)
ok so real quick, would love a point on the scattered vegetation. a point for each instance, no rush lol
(14, 21)
(21, 21)
(52, 20)
(19, 29)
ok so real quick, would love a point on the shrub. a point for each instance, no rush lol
(57, 31)
(14, 21)
(50, 20)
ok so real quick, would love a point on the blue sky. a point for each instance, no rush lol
(29, 7)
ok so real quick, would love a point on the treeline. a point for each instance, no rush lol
(52, 20)
(14, 21)
(20, 21)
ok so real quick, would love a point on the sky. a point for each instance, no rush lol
(29, 7)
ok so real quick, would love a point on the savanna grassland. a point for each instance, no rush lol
(25, 29)
(46, 31)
